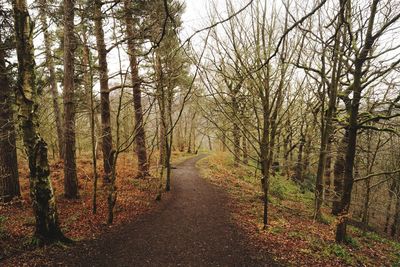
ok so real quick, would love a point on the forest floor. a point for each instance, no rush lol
(293, 238)
(135, 197)
(192, 227)
(200, 223)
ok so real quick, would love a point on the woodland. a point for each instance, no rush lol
(289, 109)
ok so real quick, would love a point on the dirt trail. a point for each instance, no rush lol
(192, 228)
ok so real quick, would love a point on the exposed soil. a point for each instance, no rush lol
(191, 227)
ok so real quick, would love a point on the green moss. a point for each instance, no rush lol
(340, 252)
(298, 235)
(351, 241)
(2, 228)
(276, 230)
(396, 252)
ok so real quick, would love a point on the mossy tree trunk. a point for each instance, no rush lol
(395, 228)
(356, 88)
(47, 228)
(338, 171)
(9, 182)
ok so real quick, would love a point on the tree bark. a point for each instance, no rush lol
(70, 177)
(395, 228)
(338, 171)
(88, 85)
(47, 227)
(235, 128)
(328, 169)
(143, 166)
(365, 211)
(161, 107)
(299, 165)
(223, 141)
(107, 144)
(389, 205)
(348, 178)
(353, 125)
(9, 182)
(52, 77)
(169, 138)
(244, 147)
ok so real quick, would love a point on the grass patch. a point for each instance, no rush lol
(340, 252)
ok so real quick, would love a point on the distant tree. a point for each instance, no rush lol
(43, 9)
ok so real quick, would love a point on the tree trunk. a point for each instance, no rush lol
(52, 77)
(389, 205)
(327, 124)
(189, 149)
(235, 127)
(70, 177)
(107, 145)
(264, 146)
(236, 144)
(47, 228)
(161, 106)
(348, 178)
(395, 228)
(365, 211)
(244, 147)
(299, 166)
(223, 141)
(265, 165)
(328, 170)
(143, 166)
(9, 182)
(353, 124)
(162, 139)
(338, 170)
(192, 135)
(88, 84)
(307, 156)
(169, 138)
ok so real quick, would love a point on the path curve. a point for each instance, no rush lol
(192, 228)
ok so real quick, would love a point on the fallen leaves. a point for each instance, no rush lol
(135, 197)
(292, 237)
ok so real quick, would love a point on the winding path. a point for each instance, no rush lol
(192, 228)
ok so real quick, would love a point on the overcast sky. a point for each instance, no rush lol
(197, 11)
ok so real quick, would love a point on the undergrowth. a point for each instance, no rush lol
(293, 236)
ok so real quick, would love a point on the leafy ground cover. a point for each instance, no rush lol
(293, 237)
(135, 197)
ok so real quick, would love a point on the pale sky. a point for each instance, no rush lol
(197, 11)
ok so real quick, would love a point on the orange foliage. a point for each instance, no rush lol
(77, 220)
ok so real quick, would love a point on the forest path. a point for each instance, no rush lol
(192, 228)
